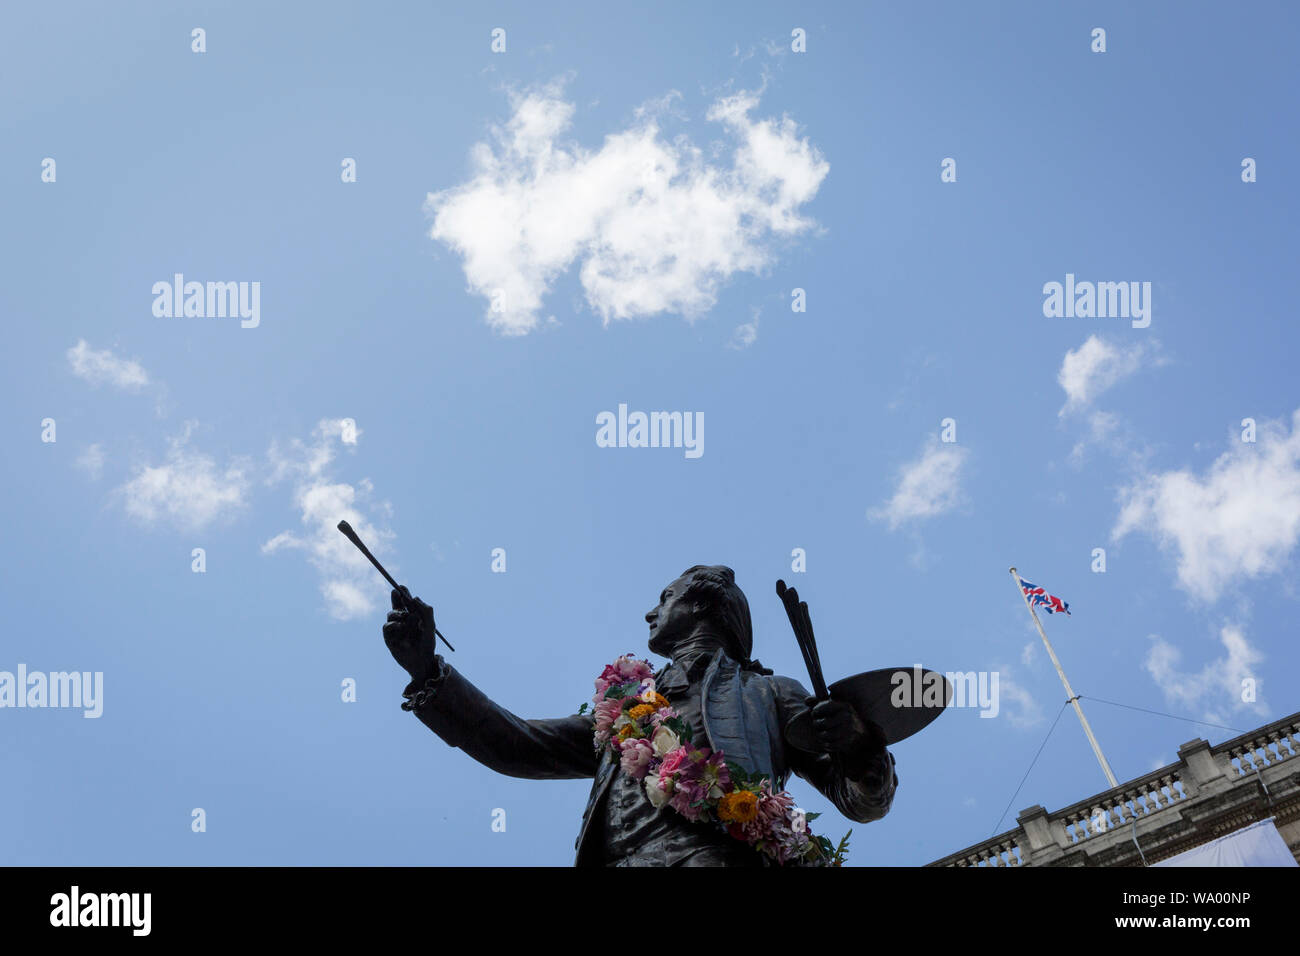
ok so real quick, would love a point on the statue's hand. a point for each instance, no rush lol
(841, 730)
(409, 634)
(837, 725)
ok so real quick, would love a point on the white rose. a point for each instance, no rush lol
(664, 742)
(657, 797)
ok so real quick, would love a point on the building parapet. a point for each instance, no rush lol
(1209, 791)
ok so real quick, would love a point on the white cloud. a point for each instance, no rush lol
(745, 334)
(1093, 367)
(187, 489)
(1015, 703)
(348, 582)
(99, 368)
(1029, 654)
(927, 487)
(1241, 519)
(655, 226)
(1215, 690)
(309, 460)
(1102, 430)
(92, 461)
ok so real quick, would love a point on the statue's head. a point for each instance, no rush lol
(703, 601)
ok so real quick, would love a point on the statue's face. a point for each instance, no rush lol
(672, 619)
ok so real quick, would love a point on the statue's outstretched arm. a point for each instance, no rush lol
(465, 717)
(462, 715)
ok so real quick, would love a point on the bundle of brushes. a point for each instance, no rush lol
(797, 611)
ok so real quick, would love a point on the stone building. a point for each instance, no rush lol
(1211, 791)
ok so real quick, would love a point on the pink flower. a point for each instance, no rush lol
(682, 800)
(636, 757)
(629, 669)
(624, 670)
(715, 778)
(606, 713)
(775, 806)
(775, 811)
(672, 762)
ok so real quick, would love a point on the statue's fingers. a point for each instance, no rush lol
(831, 726)
(839, 725)
(399, 601)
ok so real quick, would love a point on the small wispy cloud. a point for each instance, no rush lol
(91, 461)
(1238, 520)
(1015, 703)
(746, 334)
(347, 581)
(104, 368)
(1094, 367)
(928, 486)
(1216, 690)
(187, 489)
(1104, 429)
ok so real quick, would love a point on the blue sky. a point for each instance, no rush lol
(648, 187)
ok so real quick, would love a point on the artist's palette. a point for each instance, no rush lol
(902, 700)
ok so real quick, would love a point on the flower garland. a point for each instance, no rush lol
(653, 744)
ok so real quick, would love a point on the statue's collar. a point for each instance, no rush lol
(686, 669)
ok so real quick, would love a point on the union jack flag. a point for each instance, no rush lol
(1048, 602)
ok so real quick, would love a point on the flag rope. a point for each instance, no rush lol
(1031, 767)
(1235, 730)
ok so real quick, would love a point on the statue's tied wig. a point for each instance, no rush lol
(714, 595)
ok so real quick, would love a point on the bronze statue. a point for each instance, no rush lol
(730, 701)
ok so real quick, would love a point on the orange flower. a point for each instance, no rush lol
(641, 710)
(626, 731)
(739, 806)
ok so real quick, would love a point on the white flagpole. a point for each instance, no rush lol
(1070, 694)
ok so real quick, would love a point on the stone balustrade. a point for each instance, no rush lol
(1210, 791)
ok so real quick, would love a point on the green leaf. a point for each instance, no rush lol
(742, 779)
(583, 709)
(810, 817)
(841, 851)
(680, 727)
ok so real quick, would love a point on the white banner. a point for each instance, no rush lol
(1256, 845)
